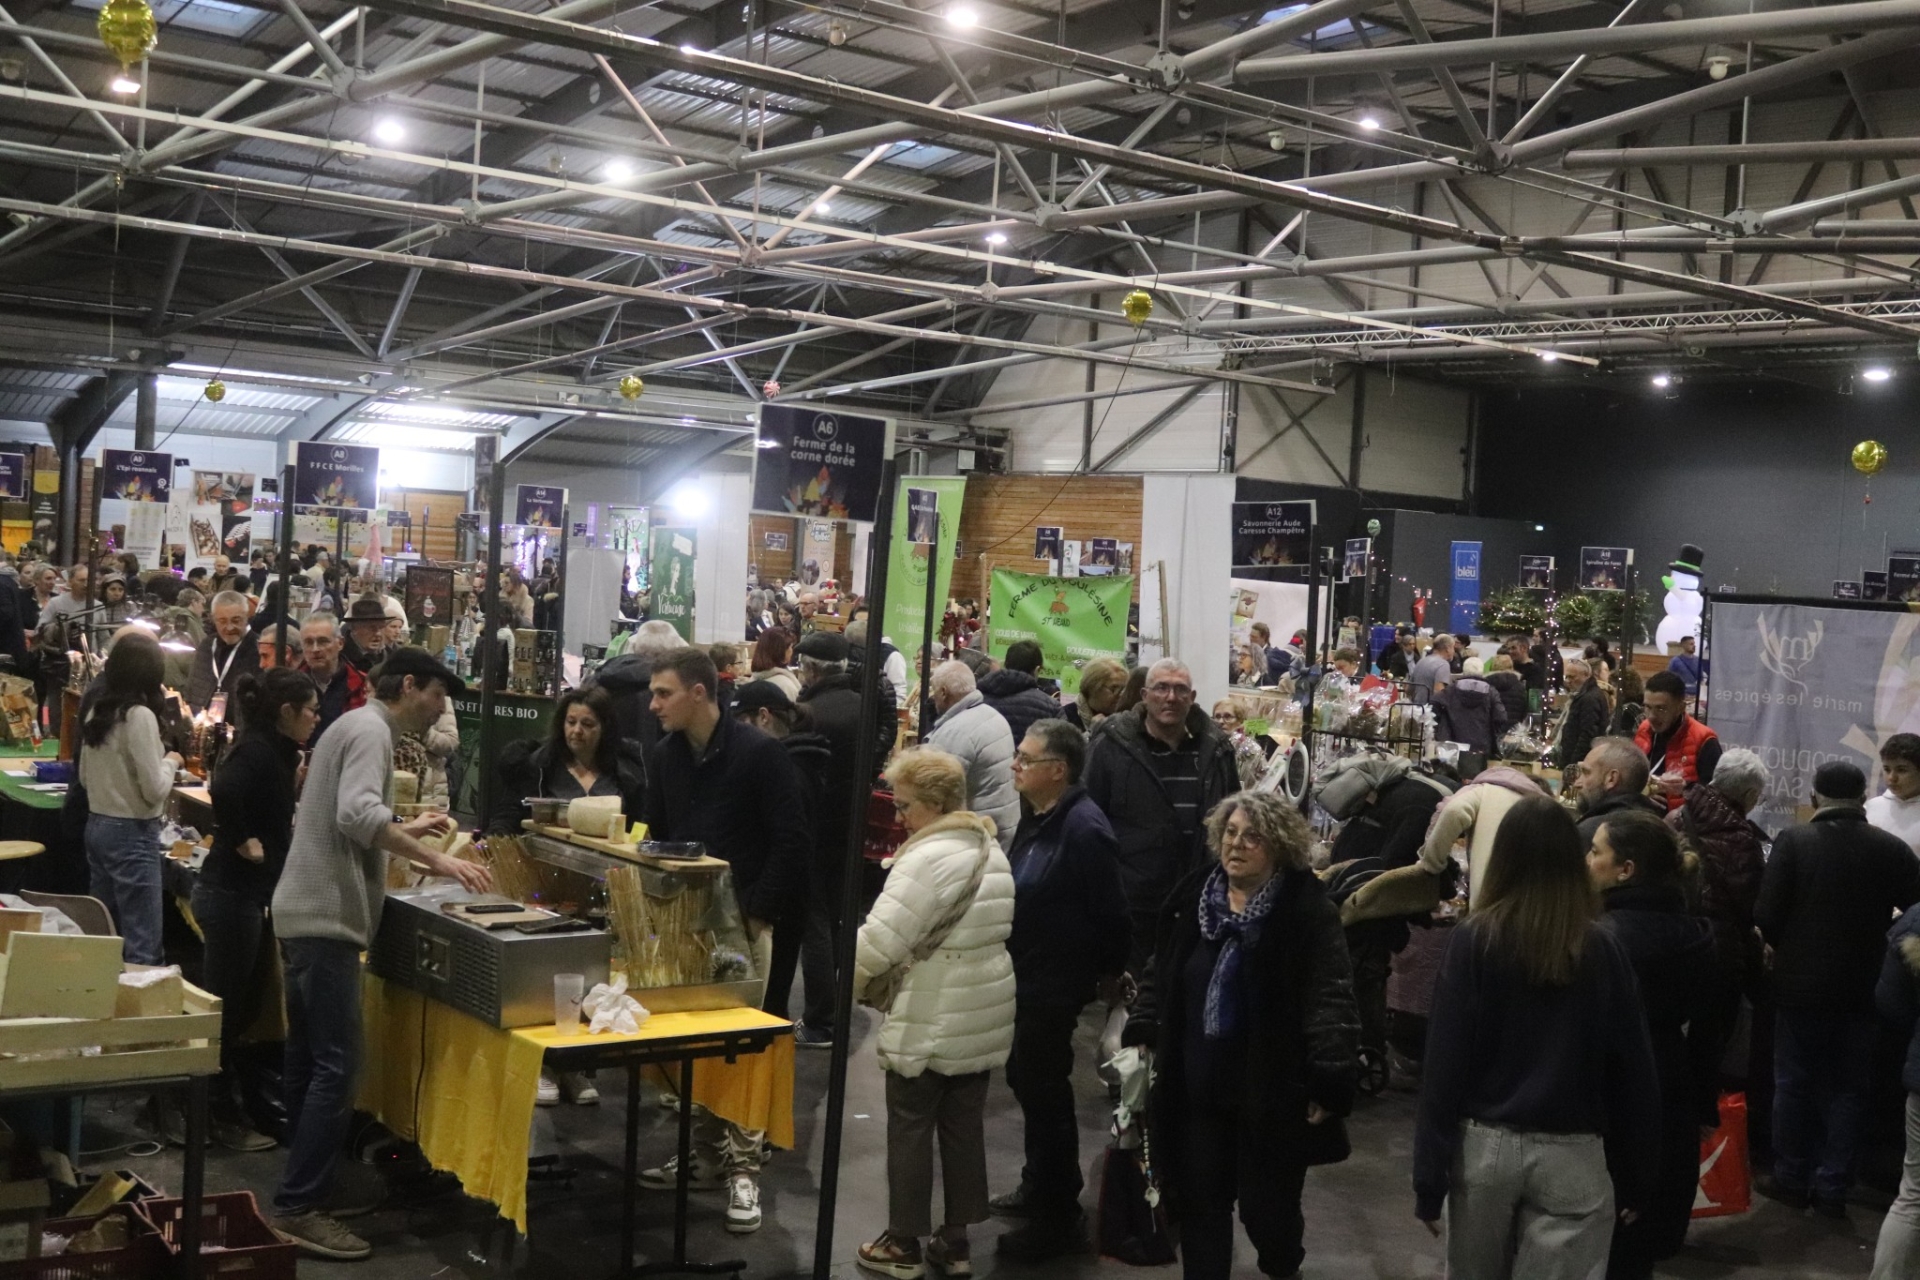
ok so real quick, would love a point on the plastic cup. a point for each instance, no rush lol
(568, 989)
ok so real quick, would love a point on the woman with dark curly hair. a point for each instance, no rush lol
(1249, 1009)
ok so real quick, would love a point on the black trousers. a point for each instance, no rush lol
(1219, 1169)
(1661, 1228)
(1040, 1073)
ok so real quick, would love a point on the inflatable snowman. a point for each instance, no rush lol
(1683, 603)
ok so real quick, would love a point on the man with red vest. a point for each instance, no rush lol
(1680, 749)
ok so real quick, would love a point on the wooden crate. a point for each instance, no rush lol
(186, 1043)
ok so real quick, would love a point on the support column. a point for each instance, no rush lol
(1358, 444)
(146, 411)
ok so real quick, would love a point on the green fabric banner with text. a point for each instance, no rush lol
(1074, 620)
(672, 559)
(907, 572)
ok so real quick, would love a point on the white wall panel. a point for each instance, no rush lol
(1185, 526)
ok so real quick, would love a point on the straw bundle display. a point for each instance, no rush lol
(659, 932)
(526, 879)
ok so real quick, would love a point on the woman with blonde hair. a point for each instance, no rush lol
(932, 956)
(1102, 681)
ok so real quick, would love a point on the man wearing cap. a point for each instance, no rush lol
(224, 655)
(326, 910)
(366, 641)
(829, 696)
(1831, 889)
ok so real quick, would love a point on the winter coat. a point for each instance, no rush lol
(1830, 887)
(788, 682)
(1122, 780)
(953, 1012)
(1070, 925)
(1512, 688)
(627, 678)
(1473, 814)
(1470, 712)
(1300, 1037)
(1018, 696)
(834, 703)
(1732, 853)
(1671, 952)
(440, 742)
(252, 793)
(1897, 995)
(1584, 720)
(1607, 806)
(528, 768)
(1393, 826)
(978, 736)
(203, 683)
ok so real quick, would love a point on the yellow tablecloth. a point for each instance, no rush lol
(475, 1098)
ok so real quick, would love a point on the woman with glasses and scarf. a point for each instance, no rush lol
(1249, 1011)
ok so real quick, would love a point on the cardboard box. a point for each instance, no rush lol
(14, 920)
(55, 975)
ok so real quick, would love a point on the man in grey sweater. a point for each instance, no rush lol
(326, 910)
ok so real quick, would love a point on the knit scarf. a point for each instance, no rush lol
(1235, 933)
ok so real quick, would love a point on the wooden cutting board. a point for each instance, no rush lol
(625, 852)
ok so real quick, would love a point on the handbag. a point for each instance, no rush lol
(1726, 1184)
(883, 988)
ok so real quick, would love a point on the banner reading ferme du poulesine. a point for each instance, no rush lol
(1074, 620)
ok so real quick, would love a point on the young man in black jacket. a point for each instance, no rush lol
(722, 783)
(1014, 690)
(1070, 934)
(1831, 889)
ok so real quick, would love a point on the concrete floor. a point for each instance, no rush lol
(1360, 1223)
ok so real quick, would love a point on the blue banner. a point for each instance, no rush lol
(1464, 616)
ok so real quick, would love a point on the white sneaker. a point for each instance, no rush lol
(547, 1092)
(581, 1090)
(743, 1204)
(665, 1177)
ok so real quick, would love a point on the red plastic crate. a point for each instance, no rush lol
(144, 1258)
(232, 1221)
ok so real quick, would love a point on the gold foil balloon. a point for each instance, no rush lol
(128, 29)
(1136, 307)
(1869, 456)
(631, 387)
(216, 391)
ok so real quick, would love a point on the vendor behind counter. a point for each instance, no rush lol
(583, 756)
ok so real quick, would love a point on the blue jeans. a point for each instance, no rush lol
(123, 861)
(323, 1056)
(1822, 1074)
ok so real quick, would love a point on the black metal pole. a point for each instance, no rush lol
(1313, 631)
(877, 559)
(489, 623)
(559, 607)
(284, 564)
(927, 712)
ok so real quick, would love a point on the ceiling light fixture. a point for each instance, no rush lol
(687, 48)
(619, 171)
(962, 16)
(124, 85)
(1549, 356)
(1877, 374)
(1662, 380)
(821, 206)
(836, 33)
(389, 131)
(996, 237)
(1369, 122)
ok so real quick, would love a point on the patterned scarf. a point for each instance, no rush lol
(1217, 921)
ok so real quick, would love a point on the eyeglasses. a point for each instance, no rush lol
(1248, 838)
(900, 807)
(1164, 690)
(1027, 762)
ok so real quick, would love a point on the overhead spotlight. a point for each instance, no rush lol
(1717, 67)
(1539, 528)
(836, 33)
(962, 16)
(1368, 121)
(593, 94)
(1662, 380)
(996, 237)
(1183, 115)
(687, 48)
(1277, 140)
(822, 206)
(122, 85)
(1184, 11)
(618, 171)
(389, 131)
(1549, 356)
(12, 68)
(1876, 374)
(819, 131)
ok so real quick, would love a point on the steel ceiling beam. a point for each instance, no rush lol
(1843, 151)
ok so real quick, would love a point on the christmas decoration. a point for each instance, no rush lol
(631, 387)
(1136, 307)
(1869, 456)
(770, 388)
(128, 29)
(216, 391)
(1684, 603)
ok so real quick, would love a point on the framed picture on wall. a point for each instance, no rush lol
(429, 595)
(1873, 584)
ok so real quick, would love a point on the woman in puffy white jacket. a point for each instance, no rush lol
(936, 940)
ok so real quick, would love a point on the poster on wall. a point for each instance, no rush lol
(1846, 589)
(1802, 684)
(1073, 620)
(1463, 615)
(818, 462)
(1272, 534)
(1873, 584)
(627, 534)
(323, 527)
(1536, 573)
(13, 477)
(1903, 577)
(1046, 542)
(907, 566)
(146, 526)
(923, 517)
(429, 595)
(336, 475)
(672, 564)
(817, 555)
(1358, 552)
(778, 541)
(1102, 559)
(1604, 568)
(133, 475)
(44, 511)
(538, 505)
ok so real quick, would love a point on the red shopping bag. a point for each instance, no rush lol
(1726, 1185)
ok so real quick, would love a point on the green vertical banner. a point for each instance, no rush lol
(672, 566)
(1074, 620)
(907, 573)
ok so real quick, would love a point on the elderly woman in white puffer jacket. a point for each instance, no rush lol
(935, 945)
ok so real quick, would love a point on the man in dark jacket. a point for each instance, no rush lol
(1613, 779)
(1155, 772)
(343, 687)
(1014, 690)
(1069, 936)
(1586, 715)
(1830, 889)
(831, 698)
(1898, 999)
(1470, 711)
(722, 783)
(225, 655)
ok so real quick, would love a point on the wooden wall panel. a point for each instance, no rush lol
(1001, 512)
(774, 566)
(441, 543)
